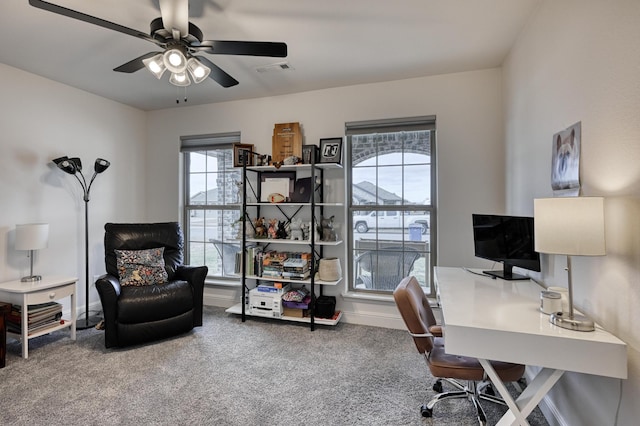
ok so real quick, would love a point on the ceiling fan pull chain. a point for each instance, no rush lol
(185, 94)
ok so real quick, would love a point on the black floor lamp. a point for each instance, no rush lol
(73, 166)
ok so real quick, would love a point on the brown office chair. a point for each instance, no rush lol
(417, 315)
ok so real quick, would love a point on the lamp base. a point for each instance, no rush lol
(574, 322)
(31, 278)
(87, 323)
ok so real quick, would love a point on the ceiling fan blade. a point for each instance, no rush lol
(248, 48)
(90, 19)
(175, 16)
(217, 74)
(135, 64)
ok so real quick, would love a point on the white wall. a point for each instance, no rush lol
(580, 61)
(469, 151)
(42, 120)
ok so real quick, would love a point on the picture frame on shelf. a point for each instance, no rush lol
(309, 152)
(331, 150)
(302, 190)
(281, 182)
(239, 151)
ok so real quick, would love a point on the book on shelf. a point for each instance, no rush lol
(252, 252)
(35, 313)
(296, 275)
(273, 287)
(36, 327)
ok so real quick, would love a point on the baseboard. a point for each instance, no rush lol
(374, 320)
(548, 408)
(95, 309)
(218, 301)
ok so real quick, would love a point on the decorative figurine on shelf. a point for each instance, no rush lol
(258, 225)
(249, 232)
(239, 191)
(282, 230)
(290, 161)
(306, 231)
(271, 232)
(263, 160)
(296, 229)
(328, 233)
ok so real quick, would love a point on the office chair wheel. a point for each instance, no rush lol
(426, 412)
(522, 382)
(489, 390)
(437, 386)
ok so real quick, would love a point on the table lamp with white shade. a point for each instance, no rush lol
(571, 226)
(32, 236)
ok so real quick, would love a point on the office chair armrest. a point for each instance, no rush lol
(421, 334)
(436, 330)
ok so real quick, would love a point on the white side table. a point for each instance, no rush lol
(30, 293)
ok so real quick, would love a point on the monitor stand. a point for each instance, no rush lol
(506, 275)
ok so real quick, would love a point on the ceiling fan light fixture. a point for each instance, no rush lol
(180, 79)
(155, 65)
(198, 71)
(175, 60)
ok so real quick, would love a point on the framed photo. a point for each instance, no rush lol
(239, 152)
(276, 183)
(565, 160)
(309, 152)
(331, 150)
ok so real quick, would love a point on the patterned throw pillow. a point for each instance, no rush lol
(141, 267)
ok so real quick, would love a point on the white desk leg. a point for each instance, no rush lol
(25, 327)
(529, 399)
(514, 415)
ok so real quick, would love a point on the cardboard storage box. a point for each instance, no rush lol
(294, 312)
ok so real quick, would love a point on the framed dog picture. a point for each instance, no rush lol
(565, 160)
(331, 150)
(240, 150)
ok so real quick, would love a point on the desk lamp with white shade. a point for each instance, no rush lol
(32, 236)
(571, 226)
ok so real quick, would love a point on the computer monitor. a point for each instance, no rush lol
(508, 240)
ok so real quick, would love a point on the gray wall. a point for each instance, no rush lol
(42, 120)
(580, 61)
(469, 153)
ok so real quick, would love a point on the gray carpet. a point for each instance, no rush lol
(261, 372)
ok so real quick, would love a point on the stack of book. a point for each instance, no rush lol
(39, 317)
(296, 268)
(284, 264)
(273, 264)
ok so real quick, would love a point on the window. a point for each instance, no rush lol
(391, 181)
(211, 205)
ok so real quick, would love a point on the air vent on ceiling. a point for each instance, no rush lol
(280, 66)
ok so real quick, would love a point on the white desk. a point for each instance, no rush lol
(493, 319)
(31, 293)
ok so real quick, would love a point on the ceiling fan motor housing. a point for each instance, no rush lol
(160, 33)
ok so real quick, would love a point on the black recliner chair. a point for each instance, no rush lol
(138, 314)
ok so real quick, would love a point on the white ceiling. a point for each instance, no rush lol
(331, 43)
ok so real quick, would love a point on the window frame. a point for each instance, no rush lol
(195, 144)
(422, 123)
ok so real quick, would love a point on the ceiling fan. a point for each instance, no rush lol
(180, 41)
